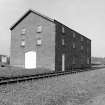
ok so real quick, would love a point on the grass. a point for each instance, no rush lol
(11, 71)
(85, 88)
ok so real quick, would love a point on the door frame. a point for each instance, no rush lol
(30, 59)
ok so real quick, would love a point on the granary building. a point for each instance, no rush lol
(40, 42)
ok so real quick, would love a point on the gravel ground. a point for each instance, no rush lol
(86, 88)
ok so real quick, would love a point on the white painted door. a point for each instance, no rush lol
(63, 62)
(30, 59)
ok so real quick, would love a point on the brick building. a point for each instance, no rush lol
(40, 42)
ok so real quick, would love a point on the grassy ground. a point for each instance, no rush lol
(86, 88)
(11, 71)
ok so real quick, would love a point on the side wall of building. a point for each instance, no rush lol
(45, 52)
(76, 47)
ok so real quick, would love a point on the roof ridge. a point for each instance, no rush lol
(39, 13)
(26, 14)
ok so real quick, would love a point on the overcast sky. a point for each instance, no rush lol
(85, 16)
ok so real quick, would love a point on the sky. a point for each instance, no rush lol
(84, 16)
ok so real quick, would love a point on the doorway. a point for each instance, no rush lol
(63, 62)
(30, 59)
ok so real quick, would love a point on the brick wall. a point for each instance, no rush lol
(45, 52)
(80, 55)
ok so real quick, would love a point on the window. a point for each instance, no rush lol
(23, 31)
(81, 38)
(82, 59)
(63, 42)
(73, 60)
(23, 43)
(88, 41)
(73, 45)
(63, 29)
(39, 42)
(87, 50)
(74, 35)
(22, 37)
(87, 60)
(81, 47)
(39, 29)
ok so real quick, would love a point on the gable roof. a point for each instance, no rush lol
(26, 14)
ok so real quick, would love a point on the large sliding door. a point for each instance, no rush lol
(30, 59)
